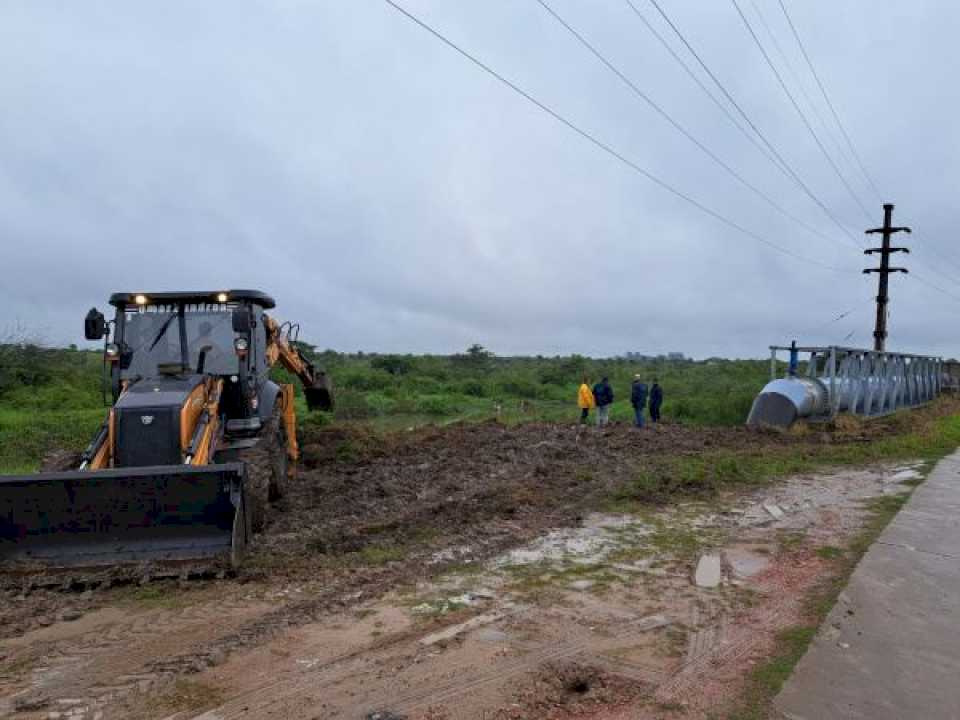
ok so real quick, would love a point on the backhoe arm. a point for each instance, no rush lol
(280, 349)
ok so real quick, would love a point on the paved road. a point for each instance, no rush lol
(890, 648)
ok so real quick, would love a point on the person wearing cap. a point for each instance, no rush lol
(638, 398)
(585, 400)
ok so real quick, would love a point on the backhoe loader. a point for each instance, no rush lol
(196, 444)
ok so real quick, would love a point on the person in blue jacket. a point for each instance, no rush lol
(656, 400)
(638, 398)
(603, 394)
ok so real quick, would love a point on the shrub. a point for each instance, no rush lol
(351, 405)
(423, 385)
(475, 359)
(565, 371)
(380, 404)
(315, 419)
(436, 405)
(366, 380)
(394, 364)
(519, 387)
(473, 388)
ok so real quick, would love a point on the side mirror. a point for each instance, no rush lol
(94, 325)
(242, 320)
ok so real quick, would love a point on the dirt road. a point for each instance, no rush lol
(455, 573)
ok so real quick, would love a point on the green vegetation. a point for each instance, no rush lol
(52, 397)
(397, 391)
(911, 437)
(376, 555)
(183, 696)
(829, 552)
(48, 399)
(158, 595)
(767, 678)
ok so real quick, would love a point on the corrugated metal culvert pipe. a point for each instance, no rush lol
(839, 379)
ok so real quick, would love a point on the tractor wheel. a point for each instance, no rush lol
(280, 463)
(263, 463)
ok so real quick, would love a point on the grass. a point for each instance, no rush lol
(50, 398)
(677, 541)
(829, 552)
(767, 678)
(184, 696)
(25, 436)
(377, 555)
(20, 666)
(157, 595)
(912, 436)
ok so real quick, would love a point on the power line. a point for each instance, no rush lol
(800, 112)
(784, 166)
(600, 144)
(945, 258)
(934, 286)
(934, 270)
(856, 155)
(693, 76)
(824, 126)
(826, 97)
(677, 126)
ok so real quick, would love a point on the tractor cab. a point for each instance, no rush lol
(174, 334)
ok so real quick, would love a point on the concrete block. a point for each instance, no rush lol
(708, 572)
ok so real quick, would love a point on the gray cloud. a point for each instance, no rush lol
(393, 197)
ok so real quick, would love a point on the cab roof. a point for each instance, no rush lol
(200, 297)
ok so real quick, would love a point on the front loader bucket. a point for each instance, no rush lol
(165, 515)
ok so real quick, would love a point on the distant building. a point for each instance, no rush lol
(642, 357)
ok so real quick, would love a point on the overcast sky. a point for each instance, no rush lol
(394, 197)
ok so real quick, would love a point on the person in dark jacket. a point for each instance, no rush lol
(656, 400)
(603, 394)
(638, 398)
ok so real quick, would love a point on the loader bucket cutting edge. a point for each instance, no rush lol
(166, 513)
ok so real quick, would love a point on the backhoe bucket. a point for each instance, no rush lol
(319, 396)
(166, 515)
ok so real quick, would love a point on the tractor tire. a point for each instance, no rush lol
(59, 460)
(280, 463)
(263, 463)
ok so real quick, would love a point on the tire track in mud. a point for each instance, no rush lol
(730, 639)
(112, 659)
(470, 678)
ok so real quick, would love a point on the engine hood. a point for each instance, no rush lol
(147, 421)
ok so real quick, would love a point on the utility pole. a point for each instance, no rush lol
(883, 298)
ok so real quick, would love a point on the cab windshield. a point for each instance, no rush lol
(152, 338)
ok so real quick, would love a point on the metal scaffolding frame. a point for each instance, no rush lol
(866, 382)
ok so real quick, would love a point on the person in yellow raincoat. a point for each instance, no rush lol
(585, 400)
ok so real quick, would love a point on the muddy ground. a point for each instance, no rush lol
(461, 572)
